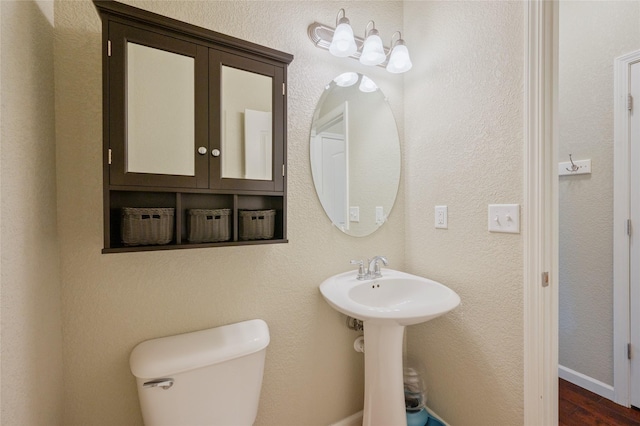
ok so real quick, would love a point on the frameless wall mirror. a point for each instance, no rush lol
(246, 129)
(160, 112)
(355, 154)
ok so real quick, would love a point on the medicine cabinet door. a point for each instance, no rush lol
(158, 110)
(247, 123)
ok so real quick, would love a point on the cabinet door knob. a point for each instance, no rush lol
(215, 152)
(202, 150)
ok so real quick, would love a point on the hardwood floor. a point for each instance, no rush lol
(579, 407)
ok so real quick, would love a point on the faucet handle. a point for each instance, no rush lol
(361, 272)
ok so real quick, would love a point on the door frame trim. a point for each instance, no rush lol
(621, 213)
(540, 216)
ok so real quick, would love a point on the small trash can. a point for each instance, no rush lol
(415, 393)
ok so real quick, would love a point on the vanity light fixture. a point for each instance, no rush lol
(399, 60)
(369, 51)
(346, 79)
(343, 43)
(367, 85)
(372, 51)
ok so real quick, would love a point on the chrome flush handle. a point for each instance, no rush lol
(159, 383)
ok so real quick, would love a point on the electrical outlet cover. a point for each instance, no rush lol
(441, 217)
(380, 215)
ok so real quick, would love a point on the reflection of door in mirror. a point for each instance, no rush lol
(331, 145)
(257, 144)
(246, 125)
(160, 110)
(334, 176)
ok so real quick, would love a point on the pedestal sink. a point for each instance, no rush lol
(386, 305)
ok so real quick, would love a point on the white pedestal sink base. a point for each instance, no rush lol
(383, 375)
(386, 305)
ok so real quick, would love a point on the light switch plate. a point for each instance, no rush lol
(504, 218)
(441, 217)
(354, 214)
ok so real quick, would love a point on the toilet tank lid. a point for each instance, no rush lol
(183, 352)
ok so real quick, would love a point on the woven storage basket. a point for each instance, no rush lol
(209, 225)
(146, 226)
(257, 224)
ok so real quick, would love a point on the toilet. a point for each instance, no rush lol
(210, 377)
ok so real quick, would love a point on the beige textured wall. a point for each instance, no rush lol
(592, 35)
(31, 327)
(463, 149)
(112, 302)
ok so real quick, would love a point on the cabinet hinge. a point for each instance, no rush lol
(109, 156)
(108, 47)
(629, 227)
(630, 102)
(628, 350)
(284, 90)
(545, 279)
(283, 170)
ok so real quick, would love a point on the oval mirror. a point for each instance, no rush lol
(355, 154)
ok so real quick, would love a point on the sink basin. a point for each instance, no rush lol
(386, 305)
(396, 297)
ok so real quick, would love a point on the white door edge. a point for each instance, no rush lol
(621, 213)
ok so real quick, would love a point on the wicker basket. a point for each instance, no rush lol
(256, 224)
(209, 225)
(146, 226)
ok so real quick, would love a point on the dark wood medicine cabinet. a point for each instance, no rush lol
(192, 119)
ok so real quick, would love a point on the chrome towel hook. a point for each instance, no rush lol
(573, 168)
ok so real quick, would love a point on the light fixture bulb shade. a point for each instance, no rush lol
(343, 43)
(372, 52)
(367, 85)
(399, 61)
(346, 79)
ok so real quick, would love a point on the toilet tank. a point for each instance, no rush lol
(209, 377)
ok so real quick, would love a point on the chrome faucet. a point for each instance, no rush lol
(373, 270)
(374, 266)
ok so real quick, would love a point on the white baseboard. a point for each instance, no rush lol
(353, 420)
(356, 419)
(586, 382)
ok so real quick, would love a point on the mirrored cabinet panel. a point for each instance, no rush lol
(194, 135)
(247, 120)
(160, 89)
(246, 124)
(157, 109)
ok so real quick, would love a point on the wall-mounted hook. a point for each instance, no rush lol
(573, 168)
